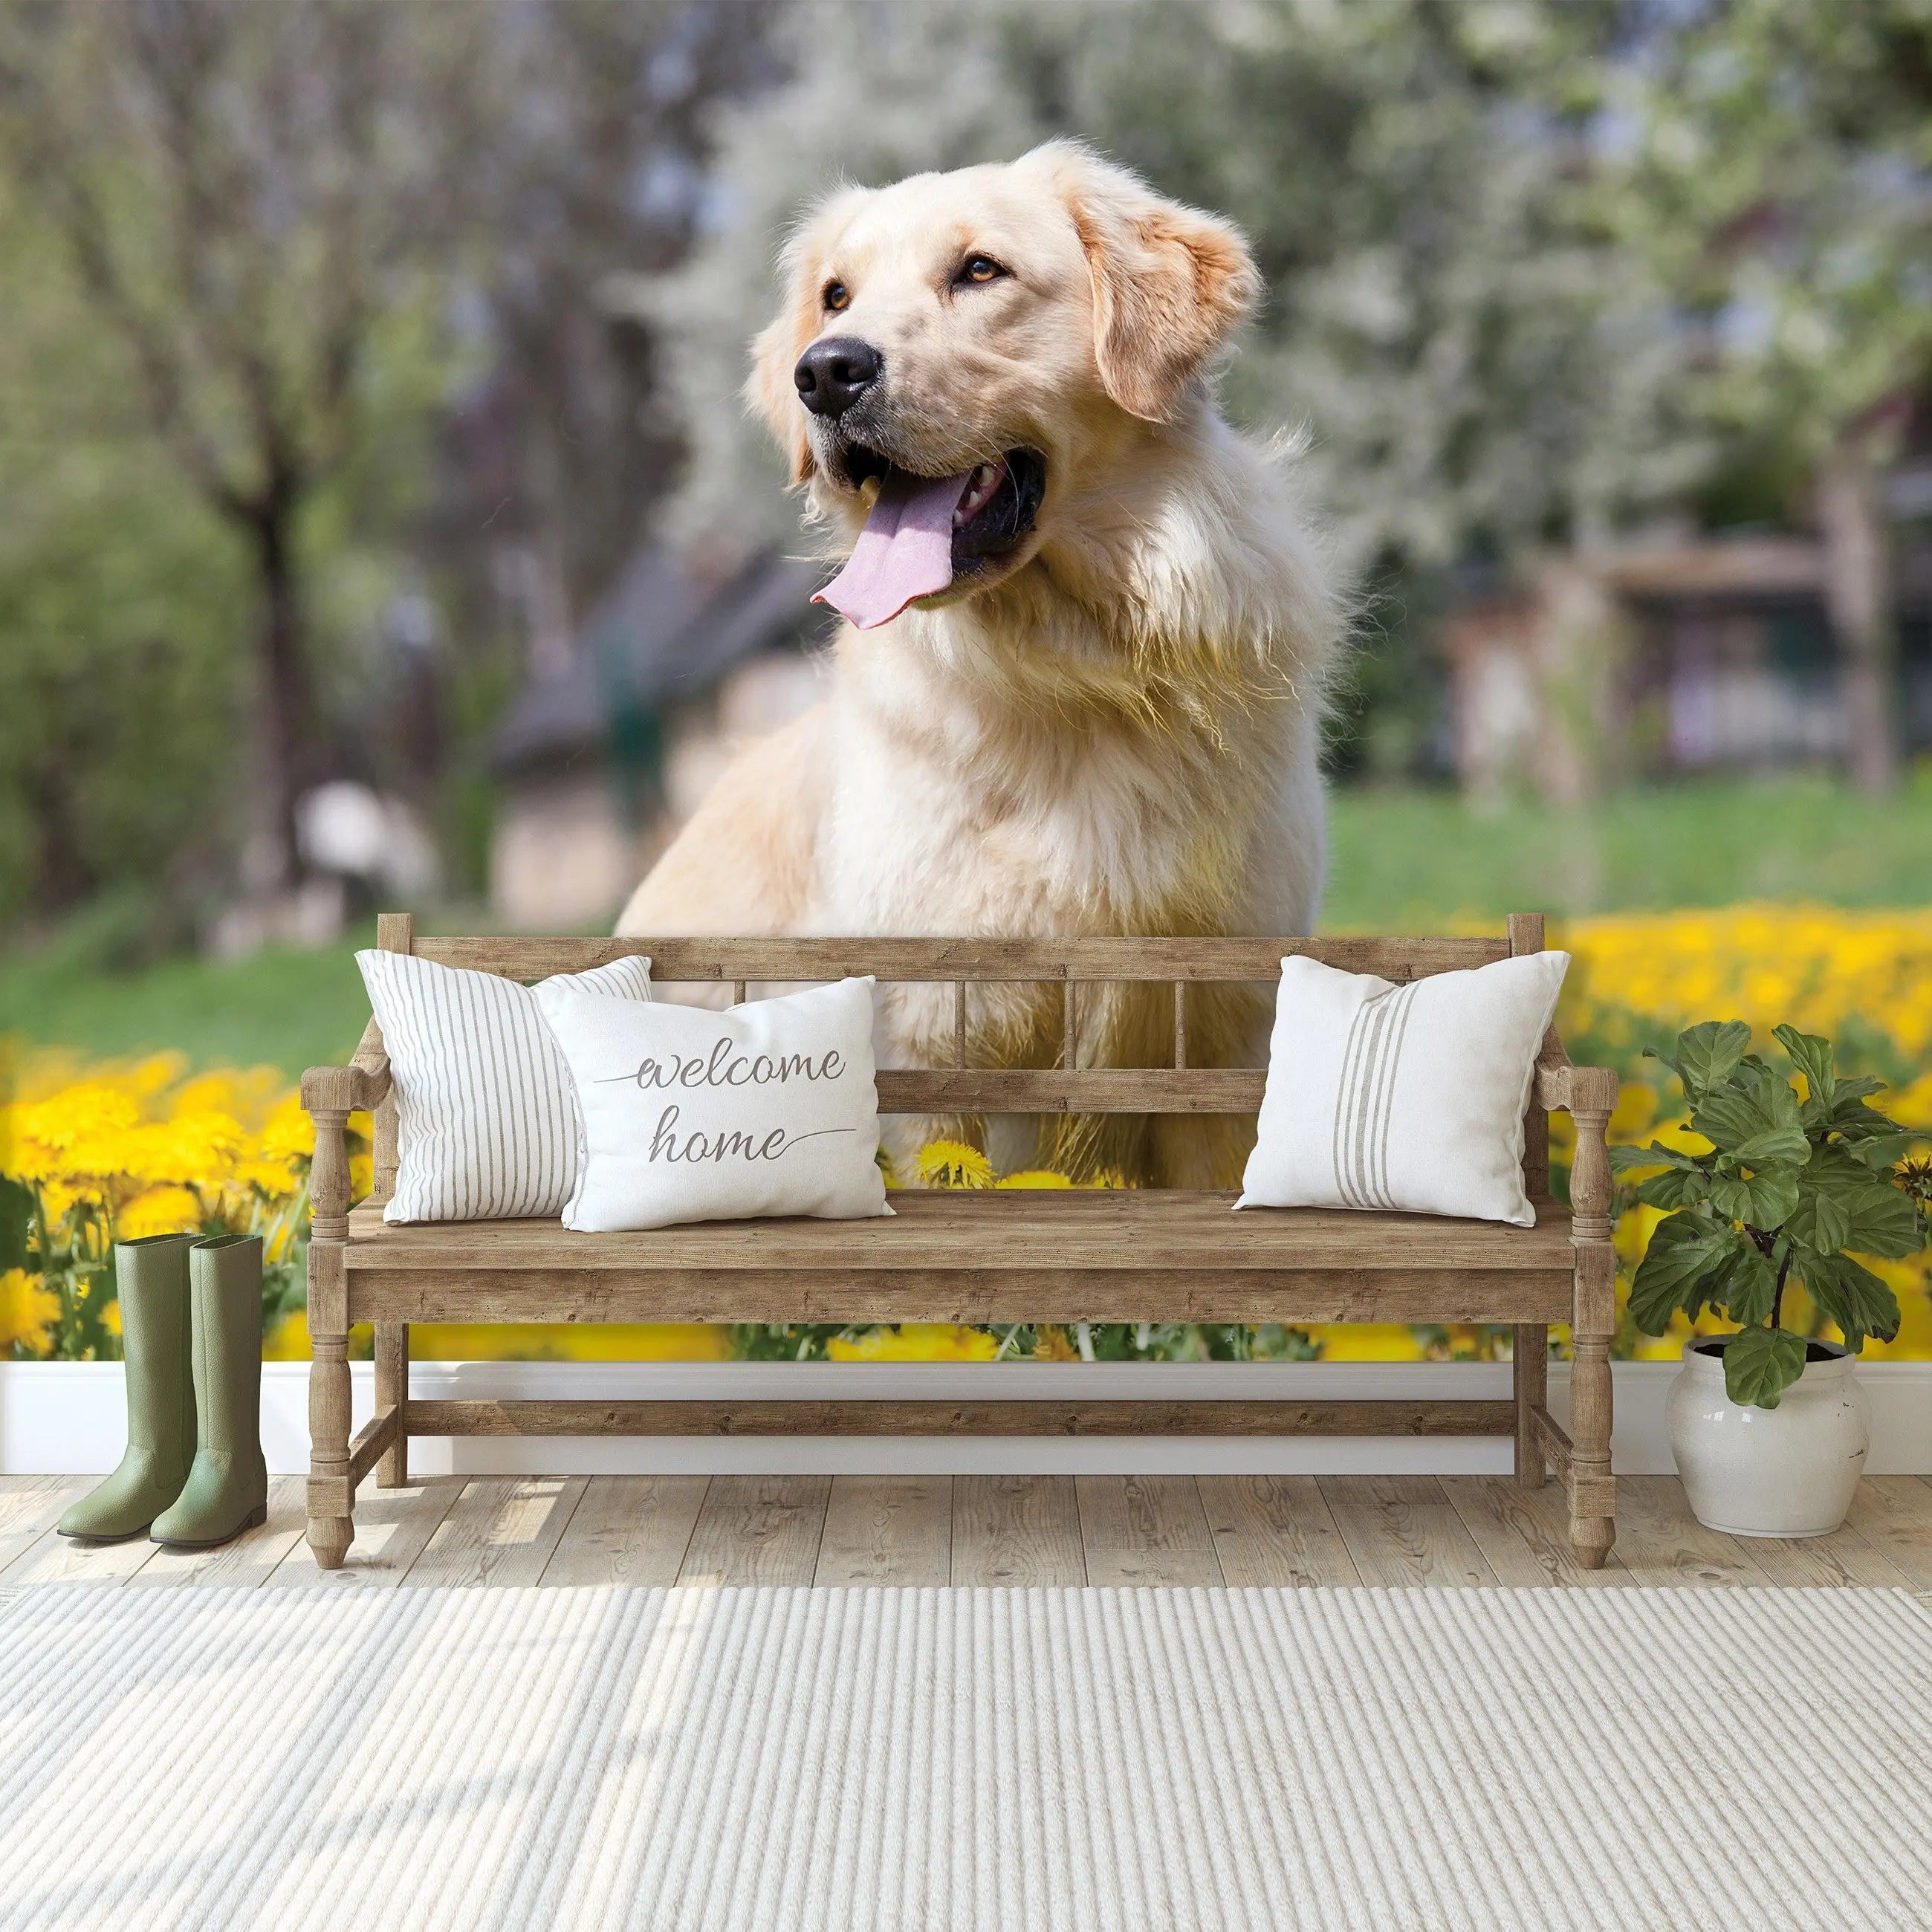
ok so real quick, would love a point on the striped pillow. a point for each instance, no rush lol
(487, 1122)
(1409, 1098)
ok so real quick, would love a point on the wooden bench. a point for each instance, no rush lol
(993, 1256)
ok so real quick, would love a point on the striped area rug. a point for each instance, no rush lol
(920, 1760)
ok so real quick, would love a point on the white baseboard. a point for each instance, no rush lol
(59, 1417)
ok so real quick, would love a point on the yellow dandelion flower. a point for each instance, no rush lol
(287, 1341)
(161, 1210)
(28, 1309)
(916, 1342)
(953, 1164)
(1033, 1176)
(1366, 1341)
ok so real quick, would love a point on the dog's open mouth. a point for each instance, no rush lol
(925, 533)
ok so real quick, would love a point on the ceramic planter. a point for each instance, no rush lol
(1790, 1471)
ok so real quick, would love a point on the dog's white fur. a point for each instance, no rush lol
(1115, 732)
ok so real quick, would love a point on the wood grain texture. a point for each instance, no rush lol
(894, 1530)
(1399, 1532)
(30, 1506)
(373, 1441)
(757, 1529)
(500, 1531)
(392, 1391)
(1133, 1416)
(1117, 1089)
(1145, 1530)
(1141, 1513)
(678, 959)
(1530, 1387)
(1275, 1530)
(630, 1530)
(1017, 1530)
(1523, 1533)
(52, 1557)
(1660, 1541)
(994, 1231)
(393, 1528)
(1153, 1569)
(1894, 1514)
(1260, 1530)
(452, 1294)
(1844, 1560)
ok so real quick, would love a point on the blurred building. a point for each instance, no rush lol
(1666, 657)
(616, 739)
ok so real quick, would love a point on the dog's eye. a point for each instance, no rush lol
(980, 269)
(836, 295)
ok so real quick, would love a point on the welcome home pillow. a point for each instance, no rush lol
(1409, 1097)
(486, 1121)
(690, 1115)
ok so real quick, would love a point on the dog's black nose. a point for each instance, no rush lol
(832, 375)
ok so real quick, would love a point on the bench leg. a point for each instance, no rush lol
(392, 1388)
(332, 1527)
(1530, 1365)
(1593, 1489)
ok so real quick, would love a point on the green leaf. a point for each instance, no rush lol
(1884, 1223)
(1821, 1222)
(1637, 1159)
(1850, 1295)
(1674, 1187)
(1754, 1119)
(1812, 1056)
(1687, 1258)
(1764, 1198)
(1748, 1288)
(1708, 1054)
(1853, 1120)
(16, 1213)
(1760, 1364)
(1836, 1170)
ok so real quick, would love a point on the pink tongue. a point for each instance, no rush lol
(905, 551)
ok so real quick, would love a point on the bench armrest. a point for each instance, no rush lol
(1564, 1088)
(329, 1095)
(1587, 1094)
(357, 1088)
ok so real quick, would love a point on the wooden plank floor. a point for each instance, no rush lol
(1438, 1533)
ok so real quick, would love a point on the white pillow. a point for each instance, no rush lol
(486, 1122)
(690, 1115)
(1409, 1097)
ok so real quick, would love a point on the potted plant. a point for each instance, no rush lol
(1768, 1426)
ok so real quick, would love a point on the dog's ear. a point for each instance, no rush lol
(1171, 284)
(770, 389)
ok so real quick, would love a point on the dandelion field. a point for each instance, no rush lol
(91, 1151)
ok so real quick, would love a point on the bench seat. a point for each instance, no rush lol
(992, 1255)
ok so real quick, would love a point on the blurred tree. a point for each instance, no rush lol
(1778, 174)
(250, 194)
(341, 267)
(591, 179)
(119, 595)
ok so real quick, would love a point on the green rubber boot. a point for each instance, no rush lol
(151, 1277)
(227, 1489)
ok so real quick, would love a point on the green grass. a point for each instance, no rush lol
(1400, 861)
(1405, 860)
(280, 1008)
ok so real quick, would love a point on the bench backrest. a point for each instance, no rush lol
(1180, 1088)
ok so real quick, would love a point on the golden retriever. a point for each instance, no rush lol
(1082, 688)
